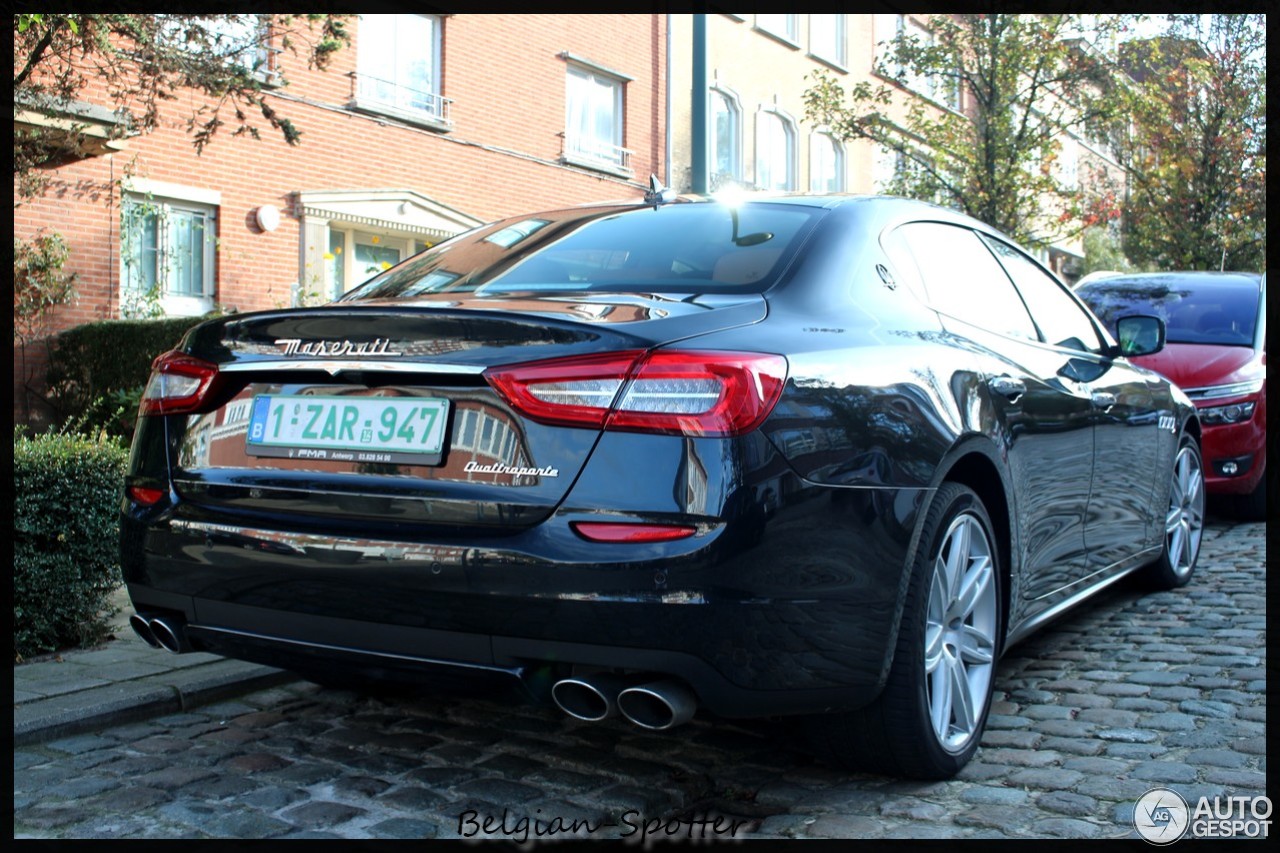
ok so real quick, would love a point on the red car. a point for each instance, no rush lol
(1217, 352)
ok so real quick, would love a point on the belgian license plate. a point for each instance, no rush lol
(354, 429)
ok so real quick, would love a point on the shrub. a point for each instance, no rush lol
(97, 371)
(65, 534)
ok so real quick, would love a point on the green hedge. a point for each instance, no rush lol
(65, 539)
(97, 371)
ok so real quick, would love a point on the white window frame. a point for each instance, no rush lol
(167, 198)
(589, 151)
(785, 27)
(838, 26)
(735, 153)
(395, 97)
(828, 143)
(764, 118)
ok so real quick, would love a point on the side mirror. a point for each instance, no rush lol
(1139, 334)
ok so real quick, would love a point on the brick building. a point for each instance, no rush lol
(425, 126)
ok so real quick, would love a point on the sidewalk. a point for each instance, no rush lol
(123, 681)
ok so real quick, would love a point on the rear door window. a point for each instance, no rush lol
(964, 281)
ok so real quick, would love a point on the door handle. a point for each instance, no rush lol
(1007, 386)
(1104, 400)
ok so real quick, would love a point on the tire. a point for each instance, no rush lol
(1184, 519)
(949, 638)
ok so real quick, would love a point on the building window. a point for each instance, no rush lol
(239, 40)
(168, 251)
(398, 67)
(355, 256)
(775, 152)
(942, 89)
(1069, 163)
(593, 120)
(827, 38)
(779, 25)
(726, 138)
(826, 164)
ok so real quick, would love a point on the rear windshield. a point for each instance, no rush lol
(1196, 311)
(680, 247)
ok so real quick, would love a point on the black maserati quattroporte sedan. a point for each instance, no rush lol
(814, 456)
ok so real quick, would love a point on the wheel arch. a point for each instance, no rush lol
(976, 464)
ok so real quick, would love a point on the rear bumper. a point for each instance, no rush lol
(787, 613)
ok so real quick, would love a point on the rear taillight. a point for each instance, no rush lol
(681, 392)
(179, 384)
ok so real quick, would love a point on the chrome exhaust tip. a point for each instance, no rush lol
(589, 697)
(169, 634)
(141, 626)
(658, 705)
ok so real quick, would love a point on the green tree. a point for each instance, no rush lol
(140, 63)
(1027, 80)
(1196, 147)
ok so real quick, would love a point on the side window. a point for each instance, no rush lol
(964, 281)
(1062, 322)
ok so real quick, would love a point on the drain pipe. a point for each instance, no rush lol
(698, 142)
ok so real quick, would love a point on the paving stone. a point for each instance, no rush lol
(1055, 827)
(845, 826)
(1068, 803)
(1020, 739)
(78, 745)
(913, 809)
(256, 762)
(1126, 735)
(1164, 772)
(992, 795)
(413, 798)
(320, 813)
(1206, 708)
(1046, 778)
(1073, 745)
(403, 827)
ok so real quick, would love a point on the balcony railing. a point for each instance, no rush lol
(586, 151)
(378, 95)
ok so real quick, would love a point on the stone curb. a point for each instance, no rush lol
(111, 704)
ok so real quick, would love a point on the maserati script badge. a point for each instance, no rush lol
(296, 346)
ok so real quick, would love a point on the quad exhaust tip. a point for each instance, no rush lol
(141, 626)
(656, 705)
(590, 698)
(161, 632)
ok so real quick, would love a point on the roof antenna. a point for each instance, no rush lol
(658, 194)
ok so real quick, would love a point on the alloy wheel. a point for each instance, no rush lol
(960, 631)
(1185, 521)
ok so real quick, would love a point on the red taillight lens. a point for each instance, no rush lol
(610, 531)
(681, 392)
(179, 384)
(144, 495)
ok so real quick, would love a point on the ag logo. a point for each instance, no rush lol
(1161, 816)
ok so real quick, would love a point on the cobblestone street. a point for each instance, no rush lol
(1130, 692)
